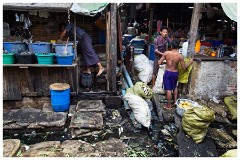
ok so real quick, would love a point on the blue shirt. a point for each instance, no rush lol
(79, 31)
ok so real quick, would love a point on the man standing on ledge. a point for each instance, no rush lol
(170, 76)
(85, 41)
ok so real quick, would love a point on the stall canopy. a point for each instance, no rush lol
(230, 10)
(89, 9)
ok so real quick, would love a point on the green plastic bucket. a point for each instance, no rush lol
(9, 58)
(45, 58)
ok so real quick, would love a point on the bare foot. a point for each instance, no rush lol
(167, 108)
(100, 71)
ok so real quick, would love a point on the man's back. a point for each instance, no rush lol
(172, 59)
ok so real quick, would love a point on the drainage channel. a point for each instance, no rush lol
(141, 142)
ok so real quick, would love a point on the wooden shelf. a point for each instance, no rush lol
(74, 64)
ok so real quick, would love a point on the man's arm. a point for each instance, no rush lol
(158, 52)
(183, 64)
(160, 61)
(63, 34)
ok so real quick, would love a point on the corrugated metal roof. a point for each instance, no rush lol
(37, 6)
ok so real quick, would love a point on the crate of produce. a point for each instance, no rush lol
(40, 47)
(25, 57)
(15, 47)
(45, 58)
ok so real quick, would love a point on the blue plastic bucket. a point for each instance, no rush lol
(15, 47)
(102, 37)
(65, 60)
(151, 55)
(41, 47)
(59, 48)
(60, 100)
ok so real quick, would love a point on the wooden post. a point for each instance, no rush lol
(112, 59)
(167, 22)
(196, 15)
(75, 52)
(150, 24)
(119, 29)
(108, 32)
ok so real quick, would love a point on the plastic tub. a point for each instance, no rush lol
(59, 48)
(151, 52)
(15, 47)
(138, 51)
(45, 58)
(41, 47)
(65, 60)
(25, 58)
(180, 110)
(9, 58)
(60, 100)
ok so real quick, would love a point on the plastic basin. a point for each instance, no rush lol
(45, 58)
(9, 58)
(65, 59)
(41, 47)
(15, 47)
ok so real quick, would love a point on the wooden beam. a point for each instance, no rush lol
(150, 24)
(108, 32)
(119, 29)
(112, 58)
(196, 16)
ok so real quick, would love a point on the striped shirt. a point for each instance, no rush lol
(79, 31)
(161, 44)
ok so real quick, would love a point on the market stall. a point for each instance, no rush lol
(35, 27)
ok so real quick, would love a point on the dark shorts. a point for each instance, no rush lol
(170, 80)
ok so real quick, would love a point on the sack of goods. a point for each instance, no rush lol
(140, 109)
(141, 89)
(158, 88)
(195, 122)
(231, 102)
(144, 67)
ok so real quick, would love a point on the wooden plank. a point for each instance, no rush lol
(71, 83)
(113, 47)
(45, 81)
(37, 80)
(108, 31)
(29, 80)
(11, 81)
(23, 82)
(39, 65)
(196, 15)
(119, 55)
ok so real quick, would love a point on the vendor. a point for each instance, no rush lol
(161, 44)
(85, 41)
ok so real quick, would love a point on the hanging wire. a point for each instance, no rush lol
(68, 16)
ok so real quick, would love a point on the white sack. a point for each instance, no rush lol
(140, 109)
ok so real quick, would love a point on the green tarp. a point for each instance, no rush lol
(88, 9)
